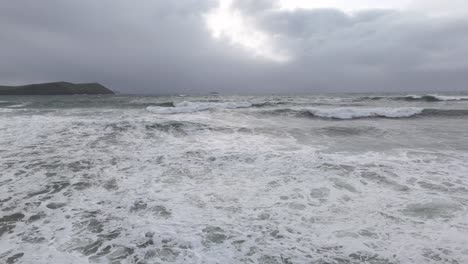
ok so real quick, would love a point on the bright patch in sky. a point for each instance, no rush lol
(226, 22)
(231, 24)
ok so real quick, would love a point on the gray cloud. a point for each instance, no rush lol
(165, 47)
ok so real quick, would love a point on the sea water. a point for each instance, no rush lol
(238, 179)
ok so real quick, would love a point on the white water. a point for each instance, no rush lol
(231, 185)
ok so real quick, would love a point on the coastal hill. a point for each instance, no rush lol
(55, 88)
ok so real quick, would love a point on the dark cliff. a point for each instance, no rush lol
(56, 88)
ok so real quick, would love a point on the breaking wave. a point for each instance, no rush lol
(450, 98)
(106, 181)
(353, 113)
(190, 107)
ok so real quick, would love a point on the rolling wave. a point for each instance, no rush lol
(268, 104)
(422, 98)
(445, 112)
(166, 104)
(354, 113)
(342, 131)
(6, 104)
(350, 113)
(191, 107)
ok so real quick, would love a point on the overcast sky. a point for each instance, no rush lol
(237, 46)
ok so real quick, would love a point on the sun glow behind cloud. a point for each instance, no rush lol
(229, 23)
(226, 22)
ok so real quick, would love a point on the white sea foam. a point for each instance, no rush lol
(357, 112)
(190, 107)
(230, 187)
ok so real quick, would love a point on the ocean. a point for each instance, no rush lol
(339, 179)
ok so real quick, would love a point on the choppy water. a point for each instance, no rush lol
(324, 179)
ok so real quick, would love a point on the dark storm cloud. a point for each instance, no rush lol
(165, 47)
(388, 49)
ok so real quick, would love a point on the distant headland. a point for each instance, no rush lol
(55, 88)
